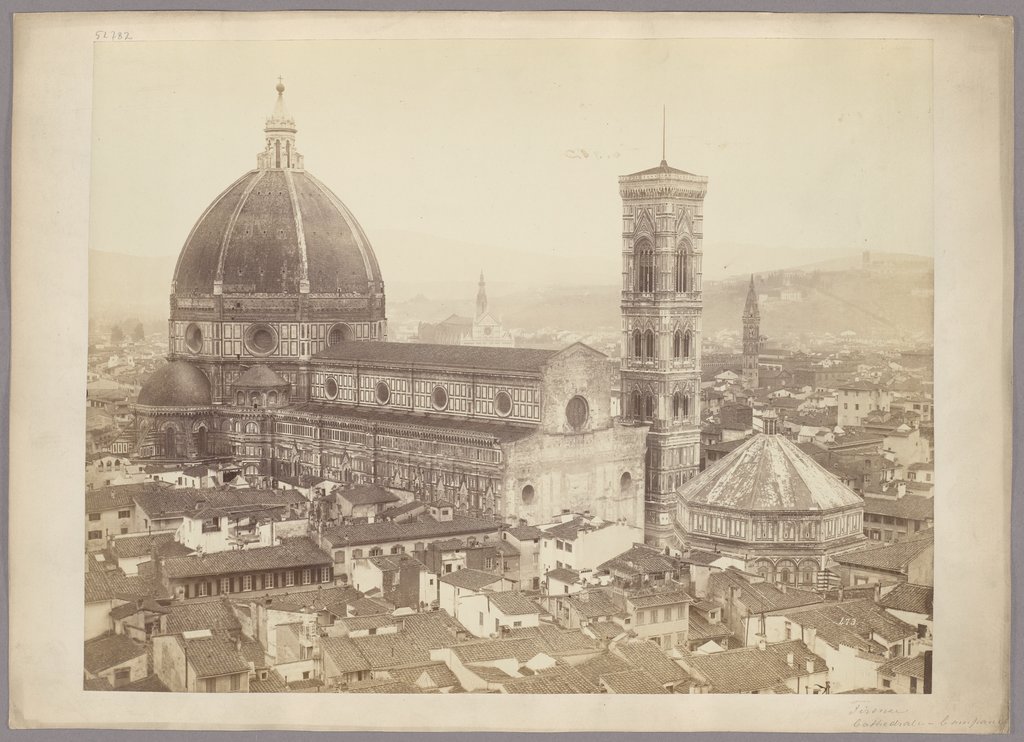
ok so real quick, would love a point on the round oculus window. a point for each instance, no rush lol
(331, 387)
(439, 398)
(577, 412)
(528, 494)
(261, 340)
(383, 393)
(503, 404)
(194, 338)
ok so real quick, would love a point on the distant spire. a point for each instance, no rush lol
(481, 297)
(750, 308)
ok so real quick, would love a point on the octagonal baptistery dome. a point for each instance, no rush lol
(773, 506)
(275, 270)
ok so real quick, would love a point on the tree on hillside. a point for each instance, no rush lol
(116, 335)
(139, 333)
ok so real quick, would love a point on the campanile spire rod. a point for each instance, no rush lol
(663, 121)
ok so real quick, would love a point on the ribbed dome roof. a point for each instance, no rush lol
(769, 473)
(260, 376)
(270, 230)
(178, 384)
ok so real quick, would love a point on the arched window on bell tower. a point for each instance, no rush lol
(649, 345)
(677, 345)
(676, 405)
(636, 404)
(638, 344)
(686, 344)
(648, 406)
(643, 266)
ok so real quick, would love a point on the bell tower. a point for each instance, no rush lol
(662, 236)
(751, 338)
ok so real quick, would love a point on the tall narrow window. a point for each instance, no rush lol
(648, 407)
(649, 344)
(643, 266)
(636, 407)
(686, 405)
(677, 345)
(676, 405)
(277, 153)
(686, 344)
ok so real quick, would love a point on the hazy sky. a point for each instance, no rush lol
(518, 144)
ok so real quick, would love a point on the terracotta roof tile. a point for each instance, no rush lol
(296, 552)
(632, 681)
(423, 528)
(109, 651)
(907, 596)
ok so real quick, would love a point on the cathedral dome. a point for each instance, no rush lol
(178, 384)
(277, 230)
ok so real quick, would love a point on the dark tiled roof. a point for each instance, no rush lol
(297, 552)
(433, 630)
(663, 169)
(311, 600)
(853, 623)
(632, 681)
(702, 630)
(344, 654)
(911, 507)
(438, 673)
(488, 650)
(148, 684)
(120, 496)
(176, 384)
(97, 684)
(763, 597)
(474, 357)
(640, 560)
(395, 562)
(131, 547)
(215, 655)
(606, 629)
(645, 655)
(513, 603)
(215, 616)
(892, 558)
(382, 686)
(595, 603)
(700, 558)
(423, 528)
(390, 650)
(365, 494)
(649, 598)
(750, 669)
(526, 533)
(171, 503)
(563, 574)
(556, 641)
(273, 683)
(560, 679)
(912, 666)
(362, 623)
(470, 579)
(907, 596)
(603, 664)
(110, 585)
(109, 651)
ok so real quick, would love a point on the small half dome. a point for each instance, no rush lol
(260, 377)
(178, 384)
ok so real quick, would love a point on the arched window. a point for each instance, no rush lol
(648, 407)
(170, 443)
(636, 404)
(201, 441)
(686, 405)
(643, 266)
(638, 344)
(626, 483)
(677, 345)
(240, 399)
(277, 153)
(766, 569)
(808, 572)
(272, 398)
(649, 344)
(252, 428)
(254, 398)
(786, 572)
(684, 273)
(676, 405)
(686, 344)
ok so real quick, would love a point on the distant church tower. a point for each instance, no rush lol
(662, 234)
(481, 298)
(751, 338)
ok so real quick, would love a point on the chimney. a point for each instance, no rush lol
(761, 643)
(810, 665)
(789, 659)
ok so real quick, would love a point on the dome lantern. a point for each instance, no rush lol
(280, 130)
